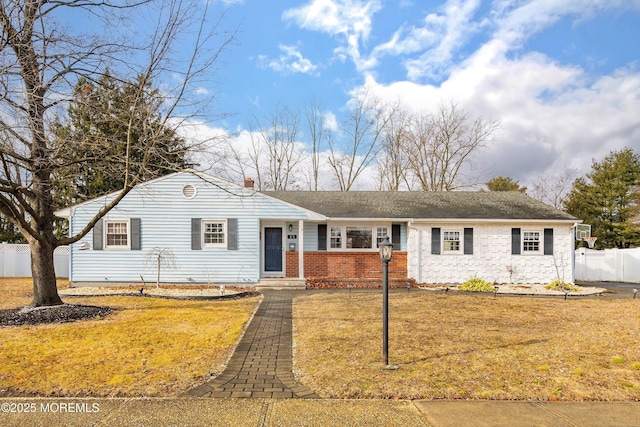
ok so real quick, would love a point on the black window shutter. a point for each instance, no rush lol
(232, 234)
(468, 241)
(515, 241)
(322, 237)
(548, 241)
(395, 236)
(196, 227)
(134, 223)
(435, 241)
(97, 236)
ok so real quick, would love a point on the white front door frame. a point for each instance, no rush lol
(263, 271)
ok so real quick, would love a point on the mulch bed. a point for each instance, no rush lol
(55, 314)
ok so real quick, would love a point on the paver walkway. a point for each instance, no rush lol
(262, 364)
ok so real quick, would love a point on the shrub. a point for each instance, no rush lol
(560, 285)
(476, 284)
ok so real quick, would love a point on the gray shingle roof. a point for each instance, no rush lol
(422, 205)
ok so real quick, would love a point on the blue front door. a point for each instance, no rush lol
(273, 249)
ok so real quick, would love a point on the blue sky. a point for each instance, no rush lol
(562, 76)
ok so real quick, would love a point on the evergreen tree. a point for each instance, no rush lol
(608, 198)
(9, 232)
(502, 183)
(106, 120)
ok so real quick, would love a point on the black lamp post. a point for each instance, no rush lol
(386, 251)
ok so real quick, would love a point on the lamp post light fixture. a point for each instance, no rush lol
(386, 252)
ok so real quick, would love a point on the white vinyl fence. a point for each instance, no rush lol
(608, 265)
(15, 260)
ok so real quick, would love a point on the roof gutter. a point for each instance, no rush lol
(492, 220)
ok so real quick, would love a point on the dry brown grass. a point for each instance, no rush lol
(148, 347)
(468, 347)
(18, 291)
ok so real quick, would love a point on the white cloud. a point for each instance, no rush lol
(229, 3)
(350, 20)
(516, 21)
(330, 121)
(549, 122)
(440, 37)
(290, 61)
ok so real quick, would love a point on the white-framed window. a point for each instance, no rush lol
(451, 241)
(214, 233)
(116, 234)
(336, 238)
(357, 237)
(530, 242)
(381, 233)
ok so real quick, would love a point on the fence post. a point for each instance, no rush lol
(4, 257)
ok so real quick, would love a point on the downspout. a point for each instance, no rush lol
(71, 212)
(419, 251)
(300, 249)
(573, 251)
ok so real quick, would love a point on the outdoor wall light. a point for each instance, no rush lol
(290, 228)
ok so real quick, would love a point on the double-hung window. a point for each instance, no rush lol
(116, 234)
(451, 241)
(531, 241)
(214, 233)
(336, 237)
(381, 233)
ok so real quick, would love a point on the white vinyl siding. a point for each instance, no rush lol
(166, 221)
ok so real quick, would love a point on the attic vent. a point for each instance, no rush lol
(189, 191)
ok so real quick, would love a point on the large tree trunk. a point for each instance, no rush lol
(45, 290)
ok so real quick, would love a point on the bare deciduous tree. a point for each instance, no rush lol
(42, 60)
(273, 157)
(317, 133)
(552, 190)
(278, 132)
(363, 129)
(442, 143)
(392, 161)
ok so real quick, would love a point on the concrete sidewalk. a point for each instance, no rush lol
(310, 412)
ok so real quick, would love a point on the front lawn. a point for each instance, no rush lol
(468, 347)
(147, 347)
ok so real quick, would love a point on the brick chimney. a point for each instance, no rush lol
(248, 183)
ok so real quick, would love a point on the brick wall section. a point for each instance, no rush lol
(350, 265)
(292, 264)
